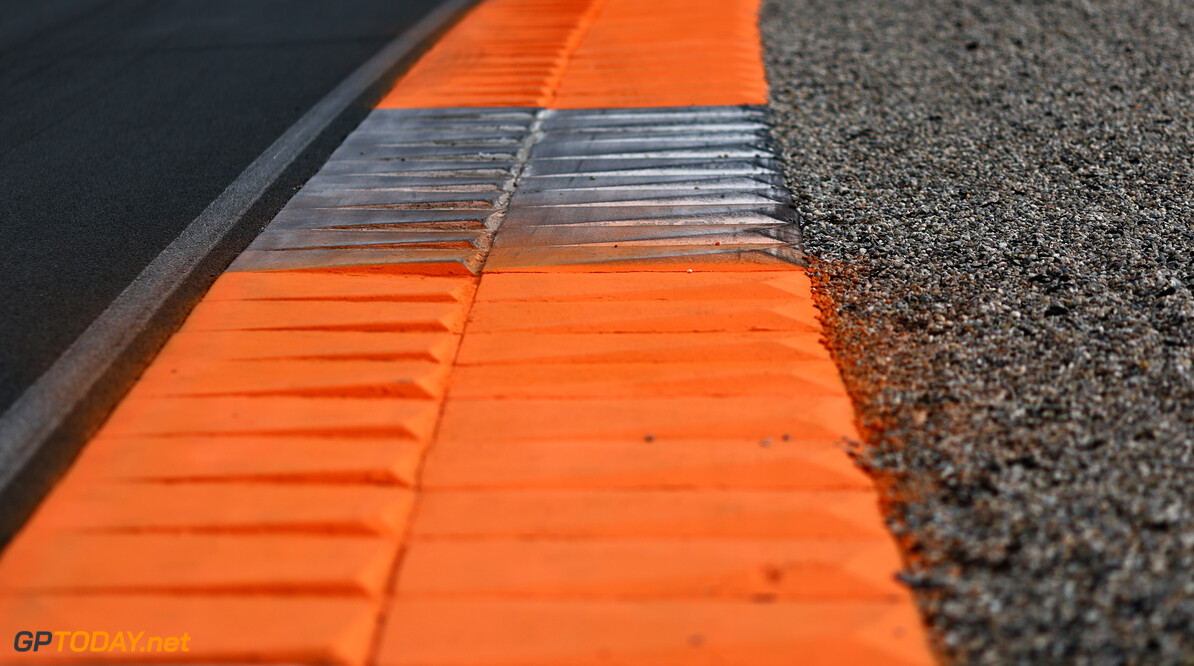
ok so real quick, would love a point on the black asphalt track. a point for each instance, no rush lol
(121, 121)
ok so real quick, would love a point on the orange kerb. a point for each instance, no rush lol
(635, 459)
(191, 563)
(667, 53)
(423, 632)
(504, 53)
(253, 488)
(592, 53)
(651, 569)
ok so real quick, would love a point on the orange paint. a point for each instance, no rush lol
(503, 53)
(632, 458)
(550, 632)
(650, 570)
(254, 486)
(193, 563)
(282, 459)
(231, 507)
(624, 464)
(242, 416)
(788, 286)
(667, 53)
(658, 513)
(673, 380)
(571, 54)
(305, 287)
(546, 418)
(586, 348)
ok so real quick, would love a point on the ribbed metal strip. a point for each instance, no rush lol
(426, 190)
(642, 184)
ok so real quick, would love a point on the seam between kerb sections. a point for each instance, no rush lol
(501, 384)
(495, 223)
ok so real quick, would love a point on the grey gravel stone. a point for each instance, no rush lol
(998, 201)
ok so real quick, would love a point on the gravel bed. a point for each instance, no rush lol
(998, 197)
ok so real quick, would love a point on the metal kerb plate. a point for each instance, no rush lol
(426, 190)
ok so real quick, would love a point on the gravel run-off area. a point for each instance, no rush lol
(998, 200)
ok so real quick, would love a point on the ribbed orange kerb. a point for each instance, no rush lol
(667, 53)
(504, 53)
(591, 54)
(611, 464)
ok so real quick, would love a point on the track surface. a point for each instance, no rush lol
(122, 121)
(1000, 198)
